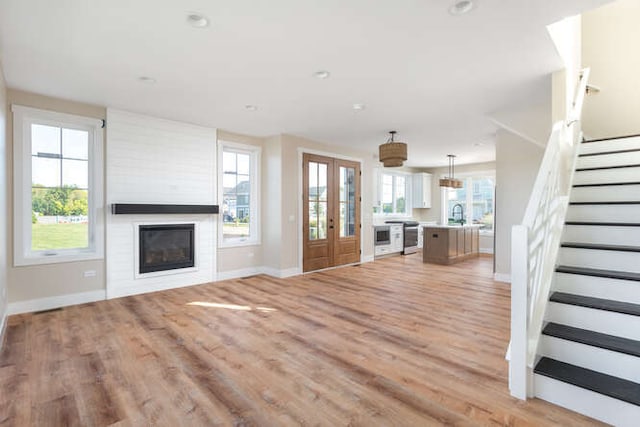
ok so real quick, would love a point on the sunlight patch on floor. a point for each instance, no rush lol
(230, 306)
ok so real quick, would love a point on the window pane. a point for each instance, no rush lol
(482, 213)
(400, 195)
(75, 173)
(457, 203)
(75, 144)
(45, 172)
(229, 183)
(60, 219)
(45, 139)
(243, 163)
(229, 162)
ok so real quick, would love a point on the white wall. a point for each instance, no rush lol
(517, 164)
(4, 183)
(610, 48)
(152, 160)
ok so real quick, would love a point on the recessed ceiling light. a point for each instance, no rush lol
(146, 79)
(250, 107)
(322, 74)
(197, 20)
(461, 7)
(359, 107)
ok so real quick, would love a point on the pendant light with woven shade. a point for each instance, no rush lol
(450, 180)
(392, 153)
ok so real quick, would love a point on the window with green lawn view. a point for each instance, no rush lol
(55, 191)
(239, 207)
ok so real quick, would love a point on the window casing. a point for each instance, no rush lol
(239, 190)
(393, 194)
(58, 187)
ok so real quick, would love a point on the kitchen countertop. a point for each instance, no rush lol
(454, 226)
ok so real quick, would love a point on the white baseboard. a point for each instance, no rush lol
(281, 274)
(366, 258)
(48, 303)
(486, 251)
(144, 289)
(236, 274)
(502, 277)
(3, 328)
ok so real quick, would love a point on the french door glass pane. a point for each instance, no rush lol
(318, 215)
(347, 202)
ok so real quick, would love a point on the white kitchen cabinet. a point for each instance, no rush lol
(421, 184)
(397, 240)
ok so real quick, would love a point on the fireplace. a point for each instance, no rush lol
(166, 247)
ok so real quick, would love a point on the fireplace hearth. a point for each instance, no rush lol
(166, 247)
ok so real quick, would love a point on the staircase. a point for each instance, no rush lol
(589, 351)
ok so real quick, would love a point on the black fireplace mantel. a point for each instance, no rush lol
(144, 209)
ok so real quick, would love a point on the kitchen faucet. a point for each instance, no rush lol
(453, 213)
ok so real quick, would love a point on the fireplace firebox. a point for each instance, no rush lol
(166, 247)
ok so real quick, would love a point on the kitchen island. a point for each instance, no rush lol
(448, 244)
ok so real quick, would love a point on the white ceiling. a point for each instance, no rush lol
(433, 77)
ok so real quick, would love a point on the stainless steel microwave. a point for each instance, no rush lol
(382, 235)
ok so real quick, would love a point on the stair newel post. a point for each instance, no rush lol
(520, 375)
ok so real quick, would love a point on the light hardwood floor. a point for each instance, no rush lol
(393, 342)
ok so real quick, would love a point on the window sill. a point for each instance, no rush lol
(238, 244)
(57, 259)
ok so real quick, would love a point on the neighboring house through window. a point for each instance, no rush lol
(476, 198)
(57, 187)
(239, 172)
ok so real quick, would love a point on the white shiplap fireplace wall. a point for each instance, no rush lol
(150, 160)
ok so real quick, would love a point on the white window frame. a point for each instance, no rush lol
(255, 153)
(407, 187)
(23, 118)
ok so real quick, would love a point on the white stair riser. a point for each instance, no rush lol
(604, 213)
(606, 322)
(606, 160)
(597, 287)
(605, 176)
(586, 356)
(616, 193)
(629, 236)
(587, 402)
(610, 145)
(602, 260)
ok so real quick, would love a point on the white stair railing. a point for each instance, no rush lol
(535, 244)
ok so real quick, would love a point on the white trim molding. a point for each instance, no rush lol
(49, 303)
(502, 277)
(3, 329)
(237, 274)
(23, 119)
